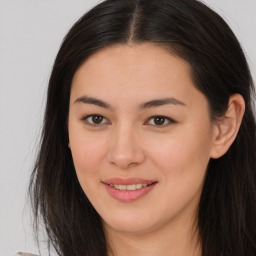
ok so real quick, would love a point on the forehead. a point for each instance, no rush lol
(137, 58)
(141, 70)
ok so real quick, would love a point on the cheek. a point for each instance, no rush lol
(181, 152)
(183, 161)
(87, 157)
(87, 153)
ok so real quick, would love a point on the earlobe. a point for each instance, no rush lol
(227, 127)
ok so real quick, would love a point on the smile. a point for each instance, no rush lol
(129, 187)
(128, 190)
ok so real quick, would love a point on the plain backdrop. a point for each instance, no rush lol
(30, 34)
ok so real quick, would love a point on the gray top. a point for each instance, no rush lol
(24, 254)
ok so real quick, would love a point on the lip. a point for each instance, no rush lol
(128, 181)
(127, 196)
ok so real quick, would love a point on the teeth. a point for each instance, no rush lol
(131, 187)
(122, 187)
(128, 187)
(138, 186)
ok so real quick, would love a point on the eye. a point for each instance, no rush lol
(160, 121)
(95, 120)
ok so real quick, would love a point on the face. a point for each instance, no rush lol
(140, 135)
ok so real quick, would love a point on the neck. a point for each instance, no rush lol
(180, 239)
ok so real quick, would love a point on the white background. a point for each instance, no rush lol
(30, 34)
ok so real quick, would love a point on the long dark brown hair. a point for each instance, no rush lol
(192, 31)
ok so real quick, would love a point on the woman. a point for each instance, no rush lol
(148, 145)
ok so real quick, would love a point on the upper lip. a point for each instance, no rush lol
(128, 181)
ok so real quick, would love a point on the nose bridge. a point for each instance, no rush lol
(125, 149)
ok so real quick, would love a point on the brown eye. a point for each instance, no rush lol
(95, 120)
(160, 121)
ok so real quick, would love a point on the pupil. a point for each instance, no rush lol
(159, 120)
(97, 119)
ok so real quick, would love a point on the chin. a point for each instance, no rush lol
(129, 224)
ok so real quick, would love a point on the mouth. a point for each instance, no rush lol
(128, 190)
(130, 187)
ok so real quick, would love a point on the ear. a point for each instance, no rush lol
(227, 127)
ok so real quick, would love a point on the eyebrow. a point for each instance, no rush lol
(93, 101)
(161, 102)
(149, 104)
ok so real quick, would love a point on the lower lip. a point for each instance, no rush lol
(128, 195)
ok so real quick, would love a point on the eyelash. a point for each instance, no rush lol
(85, 119)
(167, 121)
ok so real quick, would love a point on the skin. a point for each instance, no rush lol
(128, 143)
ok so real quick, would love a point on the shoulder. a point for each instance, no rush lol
(24, 254)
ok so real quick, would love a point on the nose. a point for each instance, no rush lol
(125, 150)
